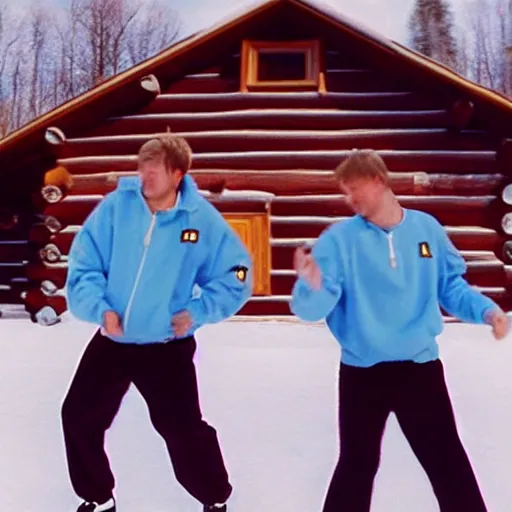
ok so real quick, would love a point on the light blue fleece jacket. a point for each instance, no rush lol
(146, 267)
(381, 290)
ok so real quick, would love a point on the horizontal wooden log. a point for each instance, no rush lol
(464, 238)
(360, 80)
(471, 252)
(279, 305)
(268, 306)
(456, 184)
(10, 271)
(261, 306)
(428, 161)
(74, 209)
(305, 182)
(204, 83)
(449, 210)
(283, 250)
(500, 295)
(287, 140)
(460, 162)
(336, 58)
(257, 306)
(342, 80)
(478, 274)
(9, 296)
(481, 211)
(282, 257)
(96, 184)
(195, 102)
(14, 251)
(273, 119)
(20, 284)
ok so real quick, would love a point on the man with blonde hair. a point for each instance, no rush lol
(379, 279)
(152, 263)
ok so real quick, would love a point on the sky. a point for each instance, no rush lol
(388, 17)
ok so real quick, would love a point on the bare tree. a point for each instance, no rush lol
(156, 28)
(50, 56)
(38, 33)
(104, 25)
(10, 35)
(16, 103)
(464, 61)
(69, 78)
(487, 25)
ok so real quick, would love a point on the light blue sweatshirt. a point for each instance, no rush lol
(381, 290)
(146, 267)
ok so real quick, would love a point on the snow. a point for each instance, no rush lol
(269, 388)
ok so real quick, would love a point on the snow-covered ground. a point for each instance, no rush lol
(270, 390)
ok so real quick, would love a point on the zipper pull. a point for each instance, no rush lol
(147, 238)
(392, 255)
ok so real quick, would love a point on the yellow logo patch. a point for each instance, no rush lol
(190, 235)
(240, 273)
(425, 250)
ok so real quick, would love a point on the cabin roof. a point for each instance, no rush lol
(112, 89)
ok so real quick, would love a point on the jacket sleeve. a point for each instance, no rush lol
(312, 305)
(456, 296)
(88, 262)
(225, 280)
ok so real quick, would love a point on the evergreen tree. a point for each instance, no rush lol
(431, 31)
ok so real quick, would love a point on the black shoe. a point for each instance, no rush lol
(215, 508)
(108, 506)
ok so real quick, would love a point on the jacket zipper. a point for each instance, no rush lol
(147, 241)
(392, 254)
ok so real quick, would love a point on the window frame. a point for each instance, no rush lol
(250, 59)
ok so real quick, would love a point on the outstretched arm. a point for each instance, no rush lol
(458, 297)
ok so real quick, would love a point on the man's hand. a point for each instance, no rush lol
(499, 322)
(306, 267)
(181, 323)
(112, 324)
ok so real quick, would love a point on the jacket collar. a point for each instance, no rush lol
(188, 194)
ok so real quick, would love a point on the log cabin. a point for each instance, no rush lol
(270, 101)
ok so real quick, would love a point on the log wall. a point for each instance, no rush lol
(443, 160)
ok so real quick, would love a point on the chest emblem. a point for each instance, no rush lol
(190, 235)
(241, 273)
(425, 250)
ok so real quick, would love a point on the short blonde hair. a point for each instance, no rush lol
(175, 151)
(362, 163)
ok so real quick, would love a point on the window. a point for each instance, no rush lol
(280, 65)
